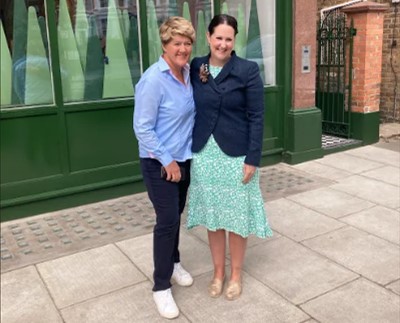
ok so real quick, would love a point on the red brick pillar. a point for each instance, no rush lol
(367, 68)
(303, 123)
(367, 54)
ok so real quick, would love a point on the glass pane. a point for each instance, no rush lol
(25, 76)
(256, 38)
(199, 12)
(98, 43)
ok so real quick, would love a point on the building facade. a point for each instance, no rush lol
(390, 85)
(68, 70)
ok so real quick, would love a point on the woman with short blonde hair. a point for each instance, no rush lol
(163, 124)
(176, 26)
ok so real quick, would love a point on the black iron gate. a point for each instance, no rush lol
(334, 73)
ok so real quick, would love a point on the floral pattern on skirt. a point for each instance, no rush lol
(219, 200)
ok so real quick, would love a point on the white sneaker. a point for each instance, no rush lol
(165, 303)
(181, 276)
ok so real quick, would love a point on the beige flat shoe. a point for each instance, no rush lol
(233, 290)
(215, 287)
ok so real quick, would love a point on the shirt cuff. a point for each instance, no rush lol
(166, 159)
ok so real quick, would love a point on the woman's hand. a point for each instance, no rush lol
(248, 172)
(173, 172)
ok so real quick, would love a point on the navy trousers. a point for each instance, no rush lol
(169, 200)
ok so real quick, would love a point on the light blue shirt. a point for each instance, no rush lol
(164, 114)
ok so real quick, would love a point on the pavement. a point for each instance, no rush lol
(334, 256)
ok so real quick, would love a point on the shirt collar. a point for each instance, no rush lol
(165, 67)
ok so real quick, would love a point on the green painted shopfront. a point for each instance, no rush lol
(68, 71)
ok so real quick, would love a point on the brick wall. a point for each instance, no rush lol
(389, 102)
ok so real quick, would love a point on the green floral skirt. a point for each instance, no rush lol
(219, 200)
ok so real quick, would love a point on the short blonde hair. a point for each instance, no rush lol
(176, 26)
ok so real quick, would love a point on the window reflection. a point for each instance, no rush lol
(198, 12)
(256, 38)
(25, 76)
(99, 48)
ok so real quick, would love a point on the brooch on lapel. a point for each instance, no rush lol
(204, 72)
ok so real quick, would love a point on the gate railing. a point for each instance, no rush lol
(334, 74)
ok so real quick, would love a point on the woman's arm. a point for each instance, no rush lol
(255, 115)
(147, 102)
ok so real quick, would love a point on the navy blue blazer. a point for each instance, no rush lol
(231, 107)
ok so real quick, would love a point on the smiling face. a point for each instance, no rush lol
(222, 42)
(177, 52)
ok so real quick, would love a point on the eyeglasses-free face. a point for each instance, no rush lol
(222, 42)
(177, 52)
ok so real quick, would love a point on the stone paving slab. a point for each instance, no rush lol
(387, 174)
(349, 163)
(392, 144)
(282, 180)
(283, 279)
(24, 298)
(294, 271)
(394, 287)
(201, 233)
(195, 255)
(298, 222)
(389, 130)
(379, 221)
(358, 301)
(372, 257)
(332, 203)
(375, 154)
(48, 236)
(329, 172)
(129, 305)
(84, 275)
(370, 190)
(258, 303)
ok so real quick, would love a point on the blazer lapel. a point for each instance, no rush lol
(211, 80)
(214, 83)
(226, 69)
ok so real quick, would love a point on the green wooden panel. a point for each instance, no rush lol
(29, 148)
(65, 184)
(304, 135)
(99, 150)
(100, 138)
(273, 130)
(365, 127)
(63, 202)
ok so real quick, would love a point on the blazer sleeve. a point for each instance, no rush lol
(255, 115)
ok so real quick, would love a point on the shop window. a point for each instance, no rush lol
(98, 45)
(256, 38)
(199, 12)
(25, 75)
